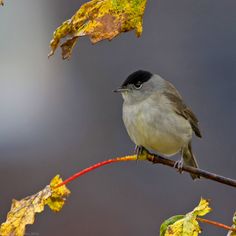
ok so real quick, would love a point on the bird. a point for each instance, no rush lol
(156, 117)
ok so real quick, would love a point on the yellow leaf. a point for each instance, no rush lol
(176, 229)
(58, 196)
(168, 222)
(99, 19)
(23, 212)
(188, 224)
(232, 233)
(202, 209)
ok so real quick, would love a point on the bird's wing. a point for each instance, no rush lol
(182, 109)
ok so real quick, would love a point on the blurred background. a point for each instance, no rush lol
(58, 117)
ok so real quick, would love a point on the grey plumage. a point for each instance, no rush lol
(183, 110)
(156, 117)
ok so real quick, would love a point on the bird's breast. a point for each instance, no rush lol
(156, 126)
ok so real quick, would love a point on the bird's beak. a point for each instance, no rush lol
(120, 90)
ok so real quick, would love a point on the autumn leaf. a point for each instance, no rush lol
(23, 212)
(168, 222)
(1, 2)
(186, 225)
(58, 196)
(231, 233)
(99, 19)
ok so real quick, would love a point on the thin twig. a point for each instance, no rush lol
(220, 225)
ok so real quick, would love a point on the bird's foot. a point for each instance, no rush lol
(138, 150)
(179, 165)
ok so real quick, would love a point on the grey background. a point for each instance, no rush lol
(61, 116)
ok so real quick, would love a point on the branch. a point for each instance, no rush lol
(205, 174)
(156, 160)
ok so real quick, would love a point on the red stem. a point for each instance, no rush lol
(95, 166)
(220, 225)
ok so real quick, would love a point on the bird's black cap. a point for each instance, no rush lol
(137, 77)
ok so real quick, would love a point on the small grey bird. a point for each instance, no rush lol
(156, 117)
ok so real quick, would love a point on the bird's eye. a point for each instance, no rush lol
(138, 85)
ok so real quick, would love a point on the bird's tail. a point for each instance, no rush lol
(190, 160)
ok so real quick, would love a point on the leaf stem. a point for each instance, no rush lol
(95, 166)
(220, 225)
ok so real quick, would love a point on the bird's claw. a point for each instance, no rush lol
(138, 150)
(179, 165)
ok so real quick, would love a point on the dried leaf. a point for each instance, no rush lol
(185, 225)
(99, 19)
(1, 2)
(67, 47)
(23, 212)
